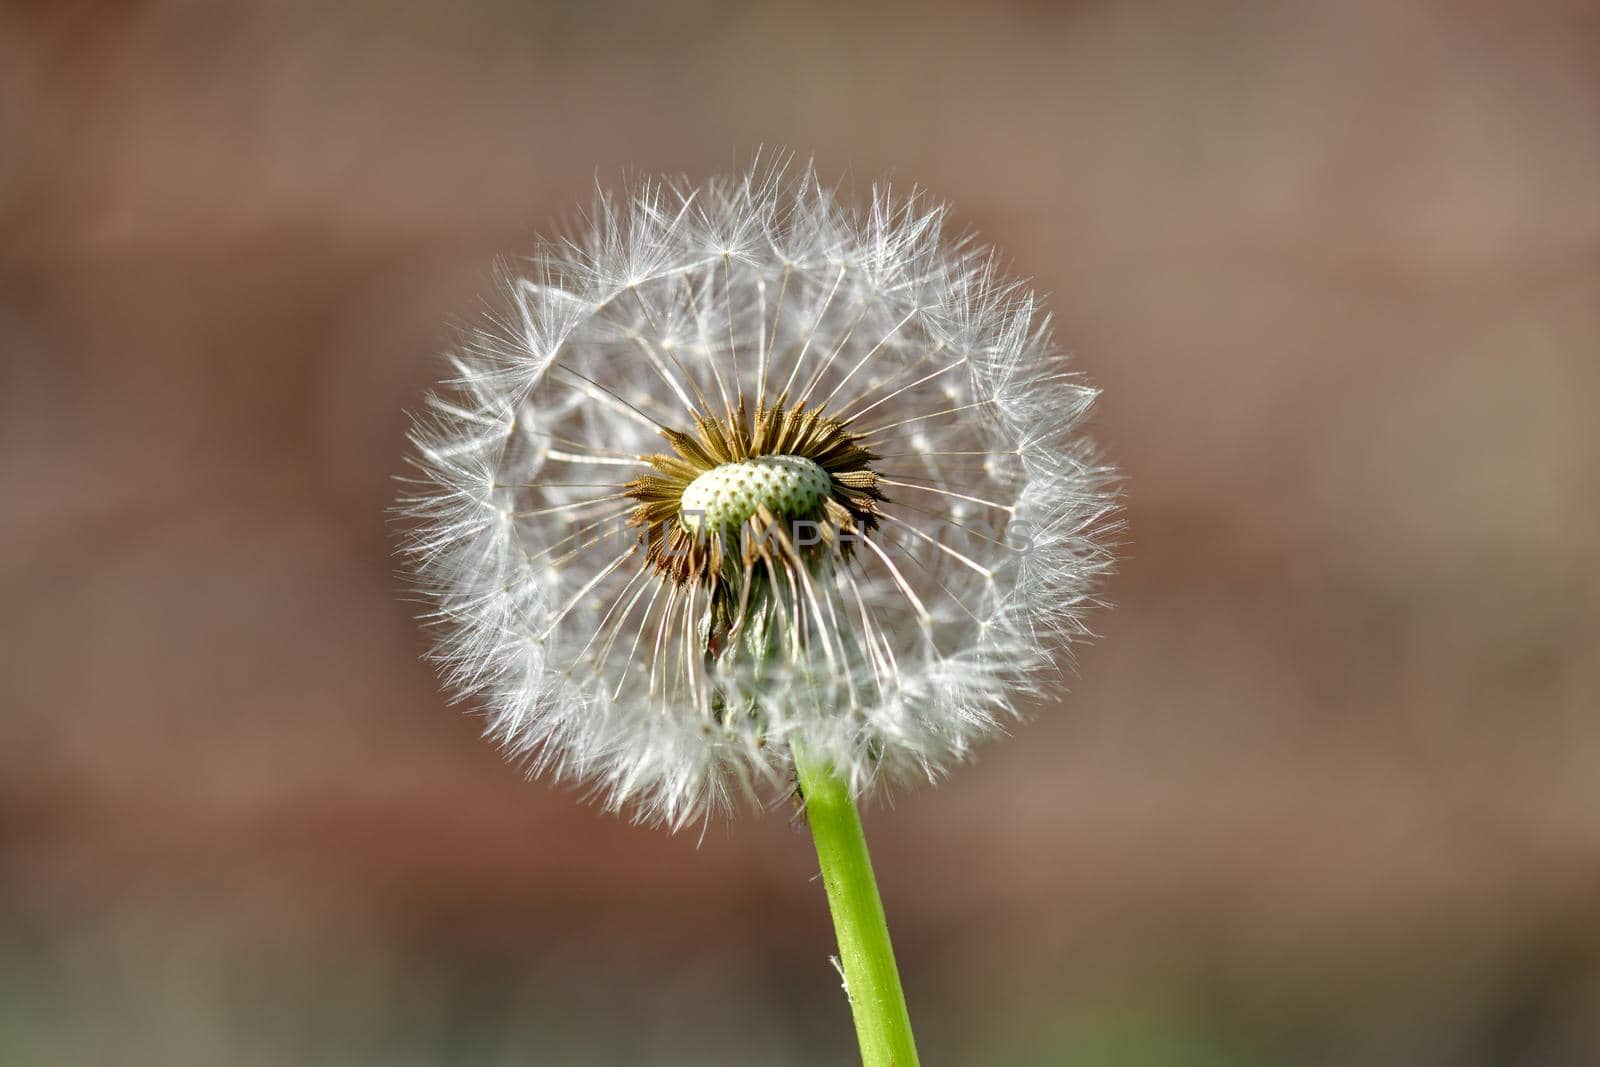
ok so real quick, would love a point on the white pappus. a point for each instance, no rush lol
(741, 467)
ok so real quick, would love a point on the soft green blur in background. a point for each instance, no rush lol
(1327, 791)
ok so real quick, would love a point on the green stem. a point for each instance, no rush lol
(883, 1027)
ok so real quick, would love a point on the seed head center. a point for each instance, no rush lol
(725, 496)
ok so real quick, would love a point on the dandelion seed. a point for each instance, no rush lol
(742, 472)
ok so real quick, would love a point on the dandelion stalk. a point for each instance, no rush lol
(872, 980)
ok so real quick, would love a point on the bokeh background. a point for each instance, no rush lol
(1326, 792)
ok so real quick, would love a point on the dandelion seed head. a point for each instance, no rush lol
(740, 467)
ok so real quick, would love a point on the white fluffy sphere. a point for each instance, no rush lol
(920, 523)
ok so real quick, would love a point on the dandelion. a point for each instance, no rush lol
(746, 489)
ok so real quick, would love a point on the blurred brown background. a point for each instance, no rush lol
(1327, 791)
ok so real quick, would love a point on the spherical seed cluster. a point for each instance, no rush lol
(687, 327)
(723, 498)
